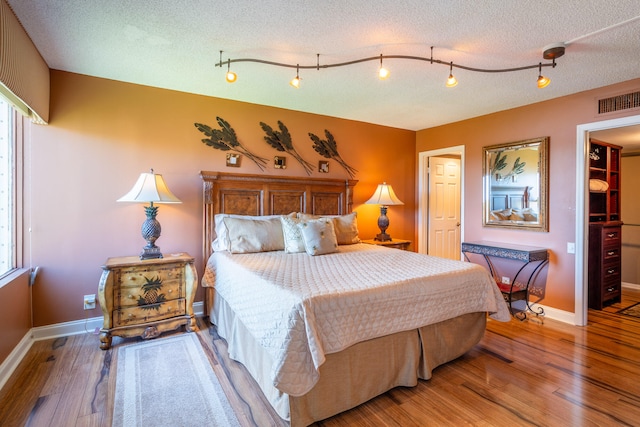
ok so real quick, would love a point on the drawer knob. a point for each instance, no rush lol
(611, 253)
(611, 235)
(611, 289)
(131, 296)
(611, 271)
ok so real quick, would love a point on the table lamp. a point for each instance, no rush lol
(383, 196)
(150, 188)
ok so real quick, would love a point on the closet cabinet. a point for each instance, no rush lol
(605, 224)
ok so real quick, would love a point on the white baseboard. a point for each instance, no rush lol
(54, 331)
(633, 286)
(83, 326)
(549, 312)
(15, 357)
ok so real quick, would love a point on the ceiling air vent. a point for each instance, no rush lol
(620, 102)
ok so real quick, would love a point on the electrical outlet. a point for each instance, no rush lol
(506, 280)
(571, 248)
(90, 302)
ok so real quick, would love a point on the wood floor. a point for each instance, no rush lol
(521, 373)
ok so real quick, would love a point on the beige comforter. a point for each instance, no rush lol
(300, 308)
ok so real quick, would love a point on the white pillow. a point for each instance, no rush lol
(345, 226)
(221, 241)
(293, 242)
(319, 236)
(254, 235)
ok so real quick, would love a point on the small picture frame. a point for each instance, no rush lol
(233, 160)
(323, 166)
(280, 162)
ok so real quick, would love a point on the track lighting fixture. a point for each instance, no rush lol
(231, 77)
(550, 52)
(542, 80)
(383, 73)
(451, 81)
(295, 82)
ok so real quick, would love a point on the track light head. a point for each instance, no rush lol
(383, 73)
(295, 82)
(231, 77)
(542, 80)
(451, 81)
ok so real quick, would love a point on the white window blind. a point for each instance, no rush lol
(7, 190)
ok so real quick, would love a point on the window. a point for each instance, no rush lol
(8, 189)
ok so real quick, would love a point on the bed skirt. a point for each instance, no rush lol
(358, 373)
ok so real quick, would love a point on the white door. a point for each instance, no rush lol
(444, 207)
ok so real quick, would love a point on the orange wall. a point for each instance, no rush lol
(557, 119)
(102, 134)
(15, 313)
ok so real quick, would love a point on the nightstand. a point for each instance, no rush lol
(146, 297)
(396, 243)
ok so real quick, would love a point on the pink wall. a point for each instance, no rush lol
(102, 134)
(557, 119)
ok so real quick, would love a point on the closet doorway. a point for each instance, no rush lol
(623, 132)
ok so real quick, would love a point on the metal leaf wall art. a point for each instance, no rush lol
(281, 141)
(329, 148)
(225, 139)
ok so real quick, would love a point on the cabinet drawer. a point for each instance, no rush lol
(611, 236)
(611, 272)
(610, 290)
(148, 293)
(147, 285)
(611, 254)
(138, 275)
(148, 313)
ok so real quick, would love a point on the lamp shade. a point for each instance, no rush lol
(384, 195)
(150, 187)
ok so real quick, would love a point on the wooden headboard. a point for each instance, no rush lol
(270, 195)
(508, 197)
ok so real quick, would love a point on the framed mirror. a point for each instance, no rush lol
(515, 177)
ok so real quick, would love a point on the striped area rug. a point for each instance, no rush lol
(169, 382)
(634, 310)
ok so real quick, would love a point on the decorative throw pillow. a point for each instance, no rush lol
(345, 226)
(293, 242)
(254, 235)
(221, 241)
(319, 236)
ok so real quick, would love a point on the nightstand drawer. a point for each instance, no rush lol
(150, 292)
(396, 244)
(138, 276)
(148, 313)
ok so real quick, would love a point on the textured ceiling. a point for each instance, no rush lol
(175, 44)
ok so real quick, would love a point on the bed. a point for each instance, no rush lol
(324, 332)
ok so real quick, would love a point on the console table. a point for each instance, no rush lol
(512, 291)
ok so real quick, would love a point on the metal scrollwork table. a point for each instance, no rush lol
(513, 291)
